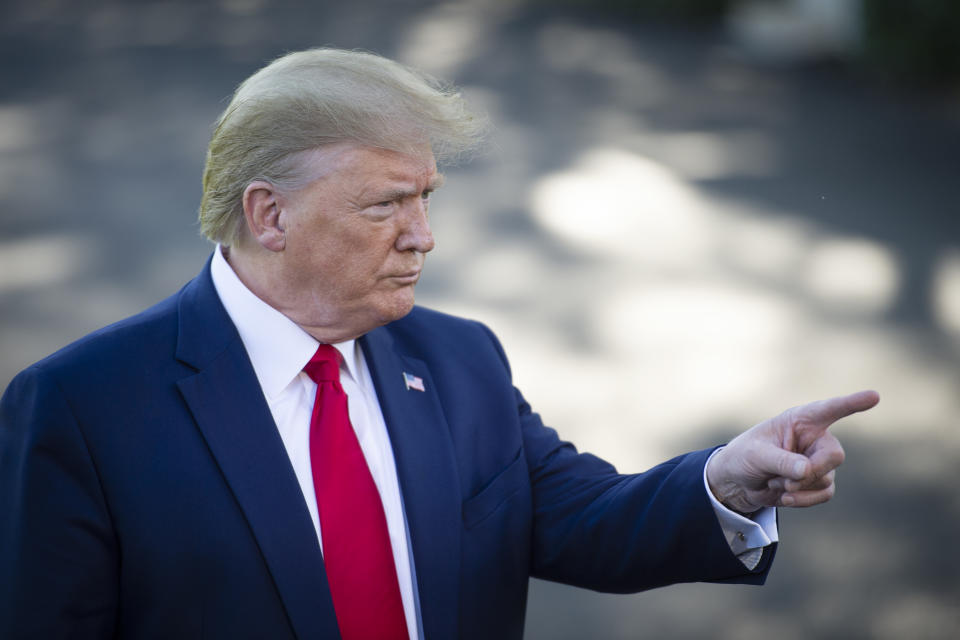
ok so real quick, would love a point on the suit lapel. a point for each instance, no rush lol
(228, 406)
(428, 478)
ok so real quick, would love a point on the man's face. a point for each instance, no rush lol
(355, 239)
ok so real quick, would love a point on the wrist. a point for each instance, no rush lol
(727, 492)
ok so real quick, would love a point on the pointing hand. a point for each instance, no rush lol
(789, 460)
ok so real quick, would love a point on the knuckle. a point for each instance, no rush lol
(793, 415)
(840, 456)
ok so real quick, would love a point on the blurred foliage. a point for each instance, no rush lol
(692, 10)
(916, 41)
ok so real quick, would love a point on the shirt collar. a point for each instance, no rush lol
(278, 348)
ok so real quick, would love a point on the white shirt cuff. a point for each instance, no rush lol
(747, 536)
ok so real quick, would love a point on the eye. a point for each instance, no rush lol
(426, 194)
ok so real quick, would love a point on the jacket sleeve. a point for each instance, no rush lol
(596, 528)
(58, 560)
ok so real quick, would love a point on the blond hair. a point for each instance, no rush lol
(309, 99)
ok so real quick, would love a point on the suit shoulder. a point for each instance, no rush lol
(130, 338)
(433, 333)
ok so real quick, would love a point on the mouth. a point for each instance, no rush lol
(409, 277)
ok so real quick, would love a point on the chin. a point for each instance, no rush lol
(397, 307)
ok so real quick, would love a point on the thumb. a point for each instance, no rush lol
(775, 461)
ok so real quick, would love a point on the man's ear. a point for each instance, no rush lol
(261, 208)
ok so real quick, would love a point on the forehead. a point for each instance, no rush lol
(355, 165)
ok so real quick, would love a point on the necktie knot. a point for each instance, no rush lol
(324, 366)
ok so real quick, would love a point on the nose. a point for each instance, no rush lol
(415, 234)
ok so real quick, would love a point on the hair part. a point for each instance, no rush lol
(311, 99)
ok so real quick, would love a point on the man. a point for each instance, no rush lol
(288, 448)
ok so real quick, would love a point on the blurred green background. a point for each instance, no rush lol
(690, 216)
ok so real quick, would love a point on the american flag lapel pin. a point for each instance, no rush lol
(413, 382)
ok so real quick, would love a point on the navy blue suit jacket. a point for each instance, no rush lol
(145, 491)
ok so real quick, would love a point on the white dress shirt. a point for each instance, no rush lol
(279, 349)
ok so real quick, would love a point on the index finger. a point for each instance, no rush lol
(829, 411)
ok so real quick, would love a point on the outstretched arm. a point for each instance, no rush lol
(789, 460)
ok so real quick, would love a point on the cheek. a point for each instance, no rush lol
(372, 252)
(352, 271)
(350, 257)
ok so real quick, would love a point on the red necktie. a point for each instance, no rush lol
(356, 545)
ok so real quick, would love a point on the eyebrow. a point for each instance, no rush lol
(398, 194)
(437, 182)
